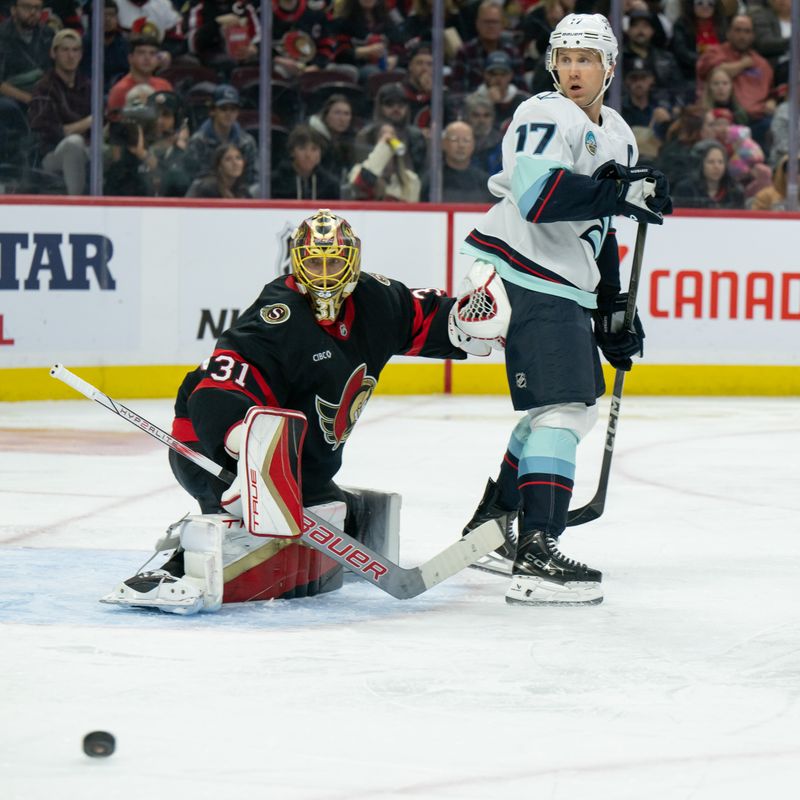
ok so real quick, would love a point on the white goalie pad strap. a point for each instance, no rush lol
(201, 540)
(269, 471)
(483, 310)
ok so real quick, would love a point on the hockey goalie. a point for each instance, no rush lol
(275, 403)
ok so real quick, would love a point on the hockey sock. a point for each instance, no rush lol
(507, 491)
(546, 478)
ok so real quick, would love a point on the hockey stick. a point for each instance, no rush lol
(399, 582)
(594, 508)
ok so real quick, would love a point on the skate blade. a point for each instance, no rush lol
(186, 607)
(493, 565)
(529, 591)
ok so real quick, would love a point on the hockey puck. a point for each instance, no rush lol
(98, 744)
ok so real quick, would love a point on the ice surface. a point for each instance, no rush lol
(685, 683)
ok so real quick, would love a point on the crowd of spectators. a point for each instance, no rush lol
(703, 82)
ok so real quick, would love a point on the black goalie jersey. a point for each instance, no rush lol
(278, 355)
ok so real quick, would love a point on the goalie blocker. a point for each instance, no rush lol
(232, 558)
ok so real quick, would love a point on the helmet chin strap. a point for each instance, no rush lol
(606, 83)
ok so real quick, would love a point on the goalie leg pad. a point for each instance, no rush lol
(374, 518)
(269, 471)
(199, 589)
(266, 568)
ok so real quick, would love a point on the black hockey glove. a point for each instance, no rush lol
(642, 192)
(617, 345)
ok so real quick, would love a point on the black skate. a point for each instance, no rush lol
(499, 561)
(542, 575)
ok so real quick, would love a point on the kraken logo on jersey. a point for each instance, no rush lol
(276, 313)
(338, 419)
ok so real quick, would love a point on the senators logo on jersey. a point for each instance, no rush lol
(338, 419)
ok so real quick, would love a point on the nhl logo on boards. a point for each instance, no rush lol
(283, 265)
(275, 314)
(591, 143)
(522, 380)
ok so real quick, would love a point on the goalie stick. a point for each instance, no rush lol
(594, 508)
(400, 582)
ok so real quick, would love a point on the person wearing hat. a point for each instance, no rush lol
(143, 63)
(643, 110)
(392, 108)
(639, 43)
(24, 47)
(60, 113)
(497, 86)
(222, 126)
(166, 157)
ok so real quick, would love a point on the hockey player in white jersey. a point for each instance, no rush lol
(568, 168)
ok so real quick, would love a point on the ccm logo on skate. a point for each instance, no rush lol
(353, 555)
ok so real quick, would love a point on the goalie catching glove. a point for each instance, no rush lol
(642, 192)
(478, 320)
(616, 343)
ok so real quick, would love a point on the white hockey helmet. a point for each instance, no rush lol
(587, 32)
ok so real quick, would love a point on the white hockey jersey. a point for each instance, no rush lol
(549, 133)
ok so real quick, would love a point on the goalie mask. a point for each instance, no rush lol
(585, 32)
(326, 262)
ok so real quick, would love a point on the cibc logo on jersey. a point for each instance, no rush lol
(338, 419)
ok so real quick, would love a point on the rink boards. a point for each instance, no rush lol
(131, 294)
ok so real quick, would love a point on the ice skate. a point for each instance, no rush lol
(157, 589)
(500, 561)
(542, 575)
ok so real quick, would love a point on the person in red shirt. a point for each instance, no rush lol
(751, 73)
(701, 25)
(143, 61)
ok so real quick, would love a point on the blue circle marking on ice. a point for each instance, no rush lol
(78, 578)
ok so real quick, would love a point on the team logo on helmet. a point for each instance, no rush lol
(275, 314)
(591, 143)
(338, 419)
